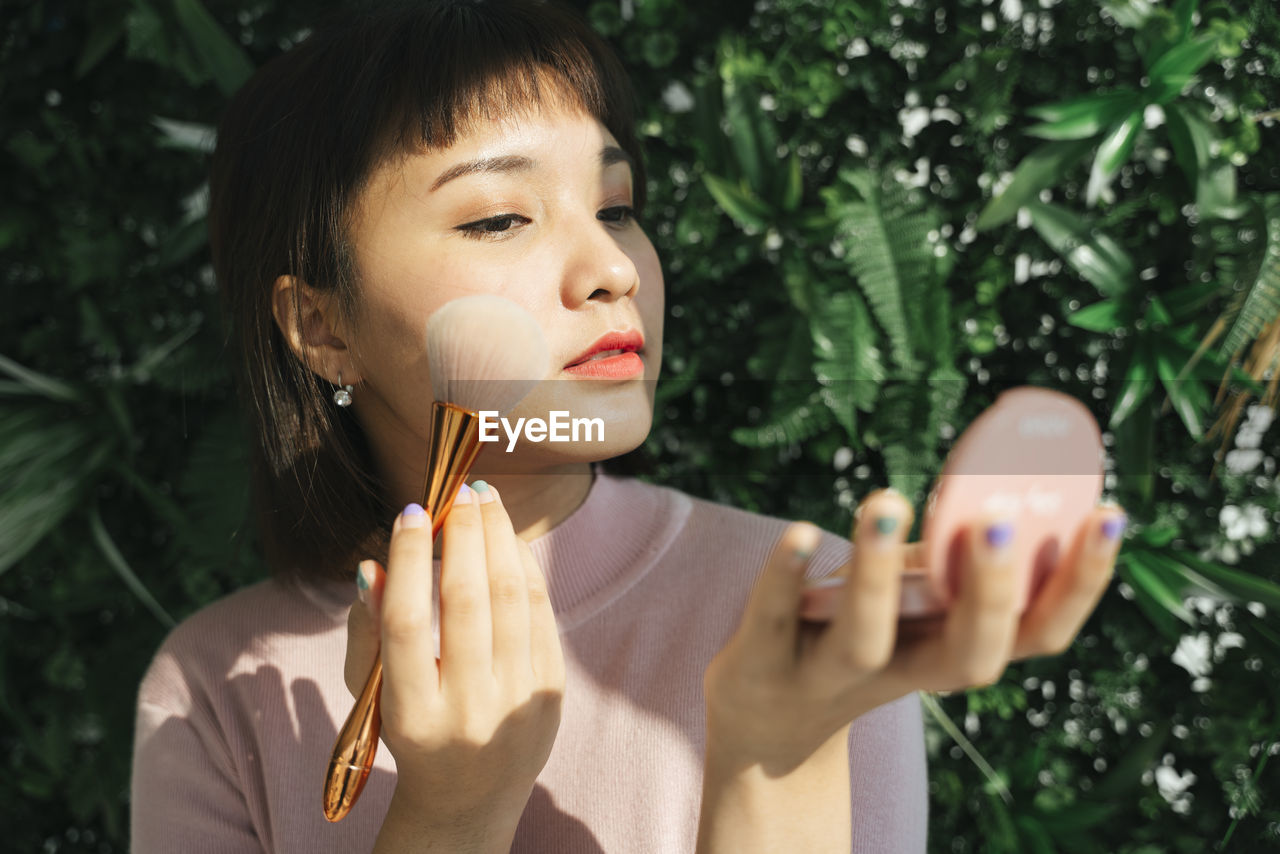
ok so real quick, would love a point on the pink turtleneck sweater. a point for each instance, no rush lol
(241, 706)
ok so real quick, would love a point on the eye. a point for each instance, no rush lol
(618, 214)
(489, 227)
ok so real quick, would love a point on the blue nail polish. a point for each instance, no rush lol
(361, 582)
(414, 510)
(1112, 528)
(1000, 534)
(480, 486)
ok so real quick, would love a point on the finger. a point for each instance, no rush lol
(363, 625)
(863, 630)
(769, 622)
(1072, 591)
(508, 589)
(545, 652)
(981, 627)
(976, 634)
(408, 649)
(466, 624)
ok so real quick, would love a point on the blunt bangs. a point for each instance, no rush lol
(295, 148)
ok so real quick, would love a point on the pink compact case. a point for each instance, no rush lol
(1034, 454)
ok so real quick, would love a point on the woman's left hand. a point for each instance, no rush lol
(782, 687)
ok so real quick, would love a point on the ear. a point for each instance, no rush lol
(309, 321)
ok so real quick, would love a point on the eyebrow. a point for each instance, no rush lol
(609, 155)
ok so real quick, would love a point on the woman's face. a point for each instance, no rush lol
(535, 208)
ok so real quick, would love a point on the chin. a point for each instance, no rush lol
(591, 422)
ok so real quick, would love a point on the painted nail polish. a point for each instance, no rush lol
(1113, 527)
(463, 496)
(362, 583)
(999, 535)
(802, 551)
(414, 516)
(886, 525)
(483, 491)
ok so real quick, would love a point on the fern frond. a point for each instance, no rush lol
(794, 425)
(1259, 276)
(846, 359)
(886, 242)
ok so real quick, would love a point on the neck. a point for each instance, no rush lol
(537, 498)
(538, 502)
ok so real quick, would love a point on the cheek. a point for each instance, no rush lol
(652, 294)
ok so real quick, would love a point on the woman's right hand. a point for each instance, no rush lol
(469, 731)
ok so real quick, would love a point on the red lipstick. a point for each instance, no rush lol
(615, 356)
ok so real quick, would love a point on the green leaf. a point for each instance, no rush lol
(1139, 382)
(1094, 255)
(1187, 395)
(1112, 154)
(1247, 586)
(40, 384)
(1105, 316)
(1258, 284)
(1129, 13)
(1191, 138)
(1081, 118)
(740, 107)
(1032, 835)
(102, 38)
(117, 562)
(224, 59)
(1185, 580)
(738, 202)
(1135, 455)
(47, 463)
(1179, 64)
(1147, 578)
(1183, 12)
(795, 185)
(1043, 167)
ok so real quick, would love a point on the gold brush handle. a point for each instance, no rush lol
(455, 444)
(352, 758)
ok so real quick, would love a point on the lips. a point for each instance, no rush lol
(610, 346)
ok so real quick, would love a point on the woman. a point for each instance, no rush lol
(621, 666)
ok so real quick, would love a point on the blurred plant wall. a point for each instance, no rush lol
(873, 218)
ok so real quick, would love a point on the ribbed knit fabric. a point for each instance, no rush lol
(241, 706)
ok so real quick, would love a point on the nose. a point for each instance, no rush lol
(598, 266)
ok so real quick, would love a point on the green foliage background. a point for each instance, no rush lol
(873, 218)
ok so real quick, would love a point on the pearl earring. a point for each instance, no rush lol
(342, 396)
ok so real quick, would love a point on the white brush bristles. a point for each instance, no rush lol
(485, 353)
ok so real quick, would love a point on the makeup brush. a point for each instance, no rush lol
(485, 354)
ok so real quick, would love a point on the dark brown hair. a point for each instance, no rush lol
(295, 147)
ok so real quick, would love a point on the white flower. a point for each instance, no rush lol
(1171, 784)
(1192, 654)
(1242, 460)
(677, 97)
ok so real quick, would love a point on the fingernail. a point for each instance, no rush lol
(886, 525)
(463, 496)
(803, 550)
(483, 491)
(1113, 527)
(364, 583)
(999, 534)
(414, 516)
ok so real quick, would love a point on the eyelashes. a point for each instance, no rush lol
(491, 227)
(500, 227)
